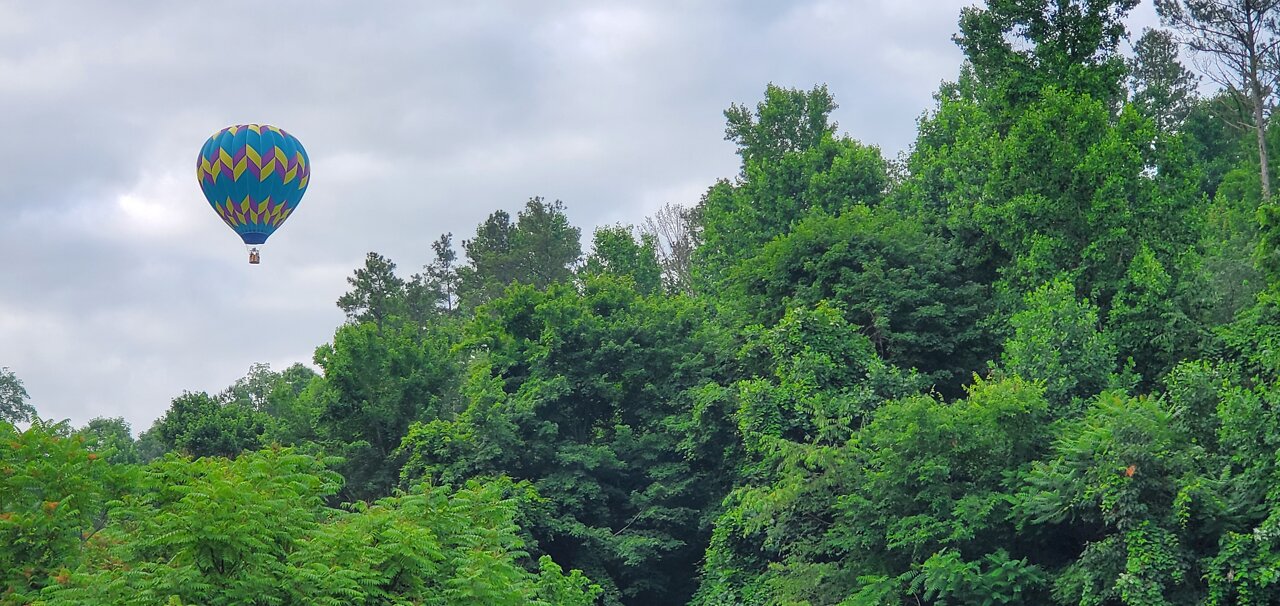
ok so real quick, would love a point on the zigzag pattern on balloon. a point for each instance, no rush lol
(248, 212)
(247, 159)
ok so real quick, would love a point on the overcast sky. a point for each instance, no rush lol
(121, 288)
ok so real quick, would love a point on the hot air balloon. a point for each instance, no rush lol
(253, 175)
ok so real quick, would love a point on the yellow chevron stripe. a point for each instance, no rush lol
(255, 128)
(268, 169)
(241, 166)
(252, 155)
(293, 172)
(280, 157)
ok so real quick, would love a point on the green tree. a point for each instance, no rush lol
(1147, 322)
(615, 251)
(1240, 37)
(546, 245)
(1240, 568)
(1033, 165)
(255, 531)
(1123, 496)
(1057, 339)
(111, 439)
(1020, 47)
(376, 293)
(1163, 90)
(900, 284)
(440, 277)
(540, 248)
(792, 164)
(377, 381)
(53, 492)
(491, 262)
(787, 121)
(914, 504)
(201, 425)
(14, 407)
(817, 382)
(1217, 146)
(288, 417)
(576, 389)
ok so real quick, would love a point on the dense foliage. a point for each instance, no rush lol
(1034, 361)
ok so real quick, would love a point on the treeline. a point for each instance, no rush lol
(1032, 361)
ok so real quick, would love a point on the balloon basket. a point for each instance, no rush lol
(254, 256)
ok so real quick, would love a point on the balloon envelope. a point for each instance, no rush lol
(253, 176)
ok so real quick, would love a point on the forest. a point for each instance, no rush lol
(1031, 360)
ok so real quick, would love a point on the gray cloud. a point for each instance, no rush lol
(121, 288)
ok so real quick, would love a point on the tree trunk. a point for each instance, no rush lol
(1260, 127)
(1257, 100)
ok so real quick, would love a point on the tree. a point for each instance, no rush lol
(1162, 88)
(53, 493)
(674, 230)
(201, 425)
(377, 381)
(111, 439)
(576, 388)
(914, 504)
(899, 284)
(256, 531)
(788, 120)
(14, 407)
(546, 245)
(376, 294)
(441, 275)
(615, 251)
(1217, 147)
(278, 396)
(1069, 188)
(792, 165)
(1120, 505)
(1148, 321)
(539, 249)
(1239, 39)
(1017, 48)
(491, 262)
(1056, 339)
(254, 389)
